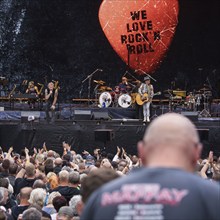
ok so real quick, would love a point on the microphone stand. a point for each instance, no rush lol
(130, 75)
(89, 77)
(146, 74)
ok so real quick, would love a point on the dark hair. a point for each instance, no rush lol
(114, 164)
(58, 202)
(6, 164)
(48, 168)
(67, 157)
(13, 168)
(110, 156)
(4, 183)
(94, 180)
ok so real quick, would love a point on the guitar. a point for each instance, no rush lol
(141, 99)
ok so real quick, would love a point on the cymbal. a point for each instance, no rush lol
(204, 89)
(104, 88)
(168, 90)
(136, 81)
(99, 82)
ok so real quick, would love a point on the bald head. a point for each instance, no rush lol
(25, 193)
(171, 129)
(171, 138)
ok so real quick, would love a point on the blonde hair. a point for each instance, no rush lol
(52, 180)
(52, 196)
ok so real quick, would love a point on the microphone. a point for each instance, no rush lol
(100, 70)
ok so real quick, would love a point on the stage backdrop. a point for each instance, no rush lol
(44, 40)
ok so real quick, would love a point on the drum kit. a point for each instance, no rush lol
(194, 101)
(115, 97)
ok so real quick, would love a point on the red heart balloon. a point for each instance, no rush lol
(140, 31)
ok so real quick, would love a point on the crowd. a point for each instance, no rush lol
(46, 185)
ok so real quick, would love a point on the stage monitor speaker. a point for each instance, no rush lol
(29, 116)
(104, 135)
(100, 116)
(193, 116)
(82, 114)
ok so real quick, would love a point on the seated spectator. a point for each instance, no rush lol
(24, 196)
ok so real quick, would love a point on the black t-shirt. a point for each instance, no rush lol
(155, 193)
(67, 192)
(21, 183)
(17, 210)
(11, 180)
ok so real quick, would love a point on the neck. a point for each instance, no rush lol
(63, 184)
(73, 185)
(30, 177)
(169, 160)
(24, 202)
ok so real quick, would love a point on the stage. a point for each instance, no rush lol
(89, 128)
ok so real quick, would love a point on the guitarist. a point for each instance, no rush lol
(146, 88)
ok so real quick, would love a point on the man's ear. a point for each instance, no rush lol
(142, 152)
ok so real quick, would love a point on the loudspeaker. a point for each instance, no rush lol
(193, 116)
(82, 114)
(28, 116)
(100, 116)
(104, 135)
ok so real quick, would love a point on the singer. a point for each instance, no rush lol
(51, 95)
(146, 91)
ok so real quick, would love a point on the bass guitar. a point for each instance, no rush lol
(141, 99)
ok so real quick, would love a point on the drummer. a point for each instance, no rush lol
(124, 86)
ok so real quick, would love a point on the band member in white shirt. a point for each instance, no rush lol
(146, 89)
(51, 94)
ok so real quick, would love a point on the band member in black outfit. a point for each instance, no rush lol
(33, 90)
(124, 86)
(51, 95)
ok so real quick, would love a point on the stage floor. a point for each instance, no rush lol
(84, 133)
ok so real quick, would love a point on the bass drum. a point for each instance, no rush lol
(124, 100)
(105, 100)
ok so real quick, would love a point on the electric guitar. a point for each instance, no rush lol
(141, 99)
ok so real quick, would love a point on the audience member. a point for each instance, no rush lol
(167, 187)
